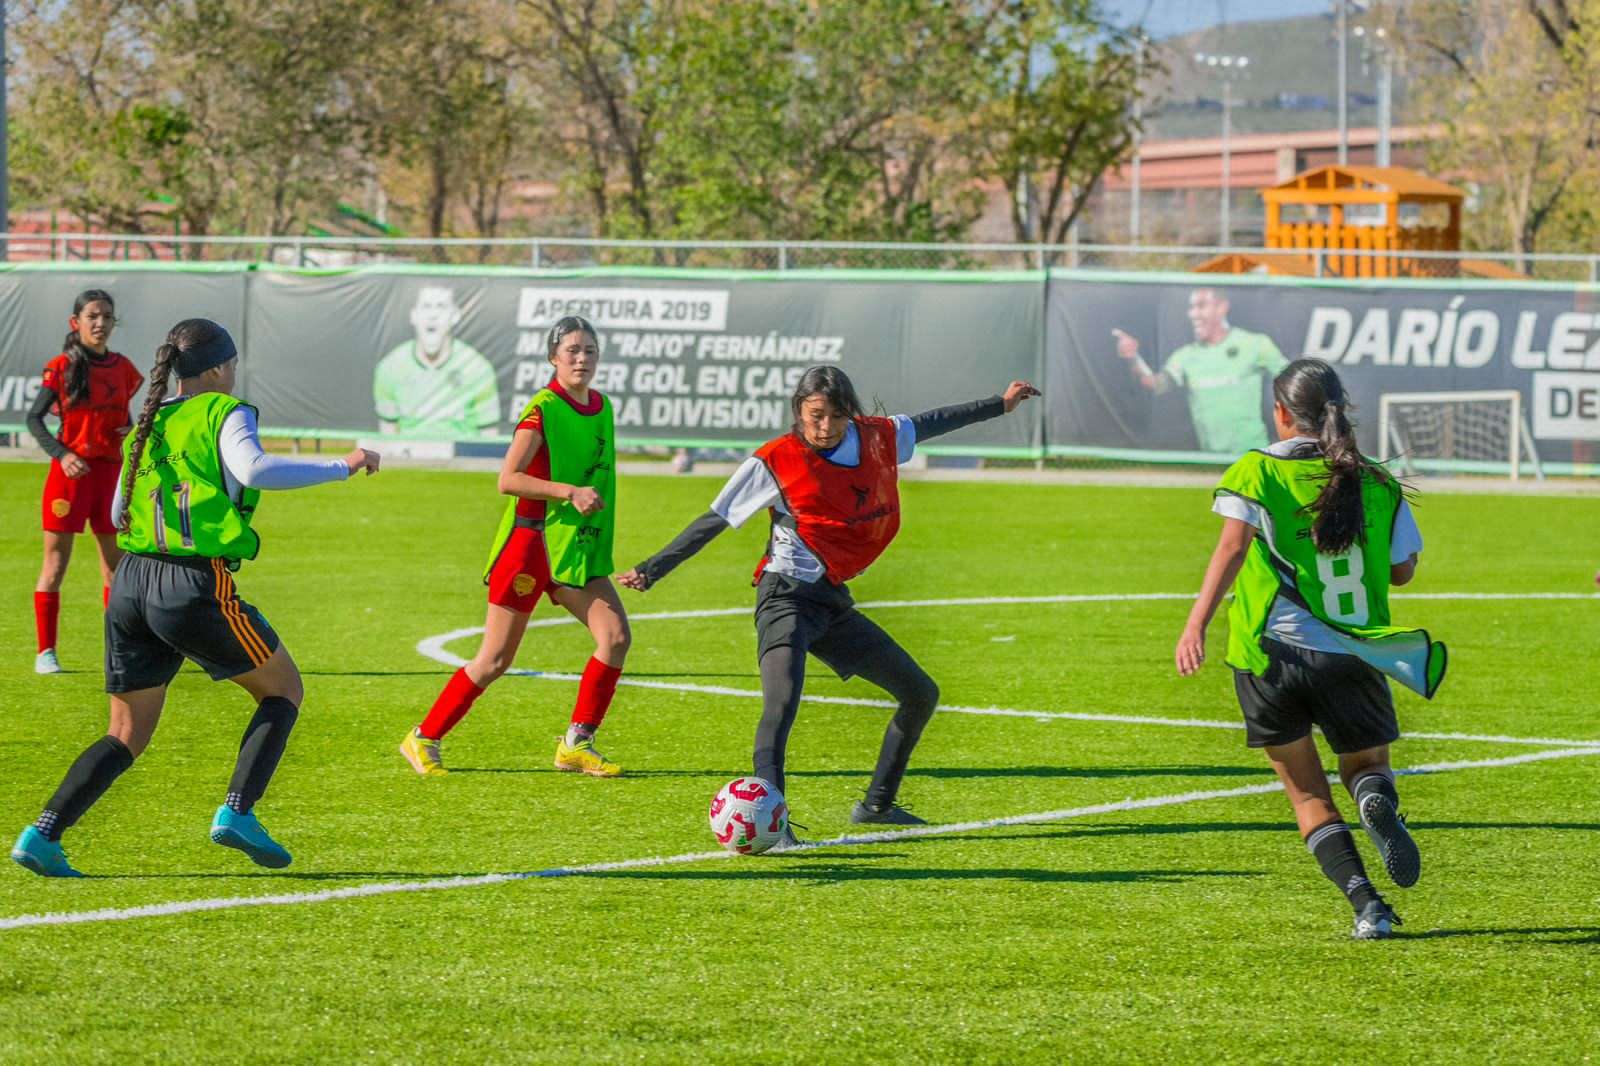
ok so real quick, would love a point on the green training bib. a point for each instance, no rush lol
(582, 452)
(1348, 593)
(180, 503)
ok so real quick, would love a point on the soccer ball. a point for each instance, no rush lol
(748, 815)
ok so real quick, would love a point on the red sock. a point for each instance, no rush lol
(46, 609)
(105, 597)
(599, 684)
(451, 706)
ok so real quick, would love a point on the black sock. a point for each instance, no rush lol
(259, 752)
(87, 780)
(1374, 781)
(1335, 850)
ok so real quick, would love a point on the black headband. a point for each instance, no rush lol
(214, 352)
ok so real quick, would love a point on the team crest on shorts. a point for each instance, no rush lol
(523, 584)
(60, 507)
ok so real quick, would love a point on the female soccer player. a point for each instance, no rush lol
(555, 540)
(192, 473)
(832, 488)
(1316, 534)
(90, 387)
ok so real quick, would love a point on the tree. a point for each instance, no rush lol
(1515, 83)
(1059, 115)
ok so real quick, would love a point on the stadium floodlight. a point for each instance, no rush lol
(1228, 68)
(1481, 432)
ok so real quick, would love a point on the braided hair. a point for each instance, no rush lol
(189, 334)
(1310, 390)
(78, 355)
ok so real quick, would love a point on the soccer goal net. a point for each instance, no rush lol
(1456, 432)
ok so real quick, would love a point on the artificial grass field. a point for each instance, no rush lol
(1199, 931)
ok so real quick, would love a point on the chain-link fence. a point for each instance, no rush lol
(557, 253)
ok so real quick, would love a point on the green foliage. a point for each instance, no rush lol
(798, 119)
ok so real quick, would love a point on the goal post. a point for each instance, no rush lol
(1484, 432)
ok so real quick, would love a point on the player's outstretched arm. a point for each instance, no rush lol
(255, 468)
(1232, 544)
(1128, 348)
(696, 535)
(942, 420)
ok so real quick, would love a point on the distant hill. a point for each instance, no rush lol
(1291, 82)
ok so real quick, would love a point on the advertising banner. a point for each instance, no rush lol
(687, 357)
(35, 303)
(1184, 363)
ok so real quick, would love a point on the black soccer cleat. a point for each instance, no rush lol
(1387, 829)
(893, 814)
(1375, 921)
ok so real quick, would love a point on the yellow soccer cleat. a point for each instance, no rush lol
(422, 754)
(581, 758)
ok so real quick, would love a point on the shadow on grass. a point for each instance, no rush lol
(832, 873)
(952, 773)
(1113, 829)
(296, 875)
(1537, 933)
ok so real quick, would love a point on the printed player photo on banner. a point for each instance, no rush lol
(436, 384)
(1222, 371)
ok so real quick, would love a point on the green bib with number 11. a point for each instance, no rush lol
(1349, 593)
(180, 504)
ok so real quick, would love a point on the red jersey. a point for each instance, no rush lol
(539, 465)
(94, 428)
(846, 515)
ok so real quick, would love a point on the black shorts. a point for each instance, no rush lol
(819, 617)
(1342, 695)
(165, 609)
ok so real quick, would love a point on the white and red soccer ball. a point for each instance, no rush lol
(748, 815)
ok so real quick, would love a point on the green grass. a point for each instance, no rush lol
(1200, 931)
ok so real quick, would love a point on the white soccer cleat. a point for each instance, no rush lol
(47, 663)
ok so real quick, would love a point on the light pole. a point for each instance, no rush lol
(1138, 139)
(1340, 8)
(1375, 46)
(5, 135)
(1228, 68)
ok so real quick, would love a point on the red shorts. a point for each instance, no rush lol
(522, 572)
(71, 502)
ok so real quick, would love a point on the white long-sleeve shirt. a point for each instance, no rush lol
(246, 466)
(752, 489)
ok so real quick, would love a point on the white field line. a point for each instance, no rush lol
(434, 648)
(441, 884)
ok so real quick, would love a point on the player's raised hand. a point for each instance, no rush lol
(1127, 346)
(632, 579)
(362, 459)
(1191, 651)
(1015, 393)
(586, 500)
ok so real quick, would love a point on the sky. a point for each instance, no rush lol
(1163, 18)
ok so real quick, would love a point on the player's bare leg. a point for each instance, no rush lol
(599, 608)
(1299, 767)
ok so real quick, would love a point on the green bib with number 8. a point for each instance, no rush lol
(180, 503)
(1349, 593)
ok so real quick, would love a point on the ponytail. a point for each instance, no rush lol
(1310, 390)
(1340, 520)
(77, 376)
(207, 345)
(166, 357)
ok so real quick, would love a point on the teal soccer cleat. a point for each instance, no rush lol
(42, 855)
(243, 832)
